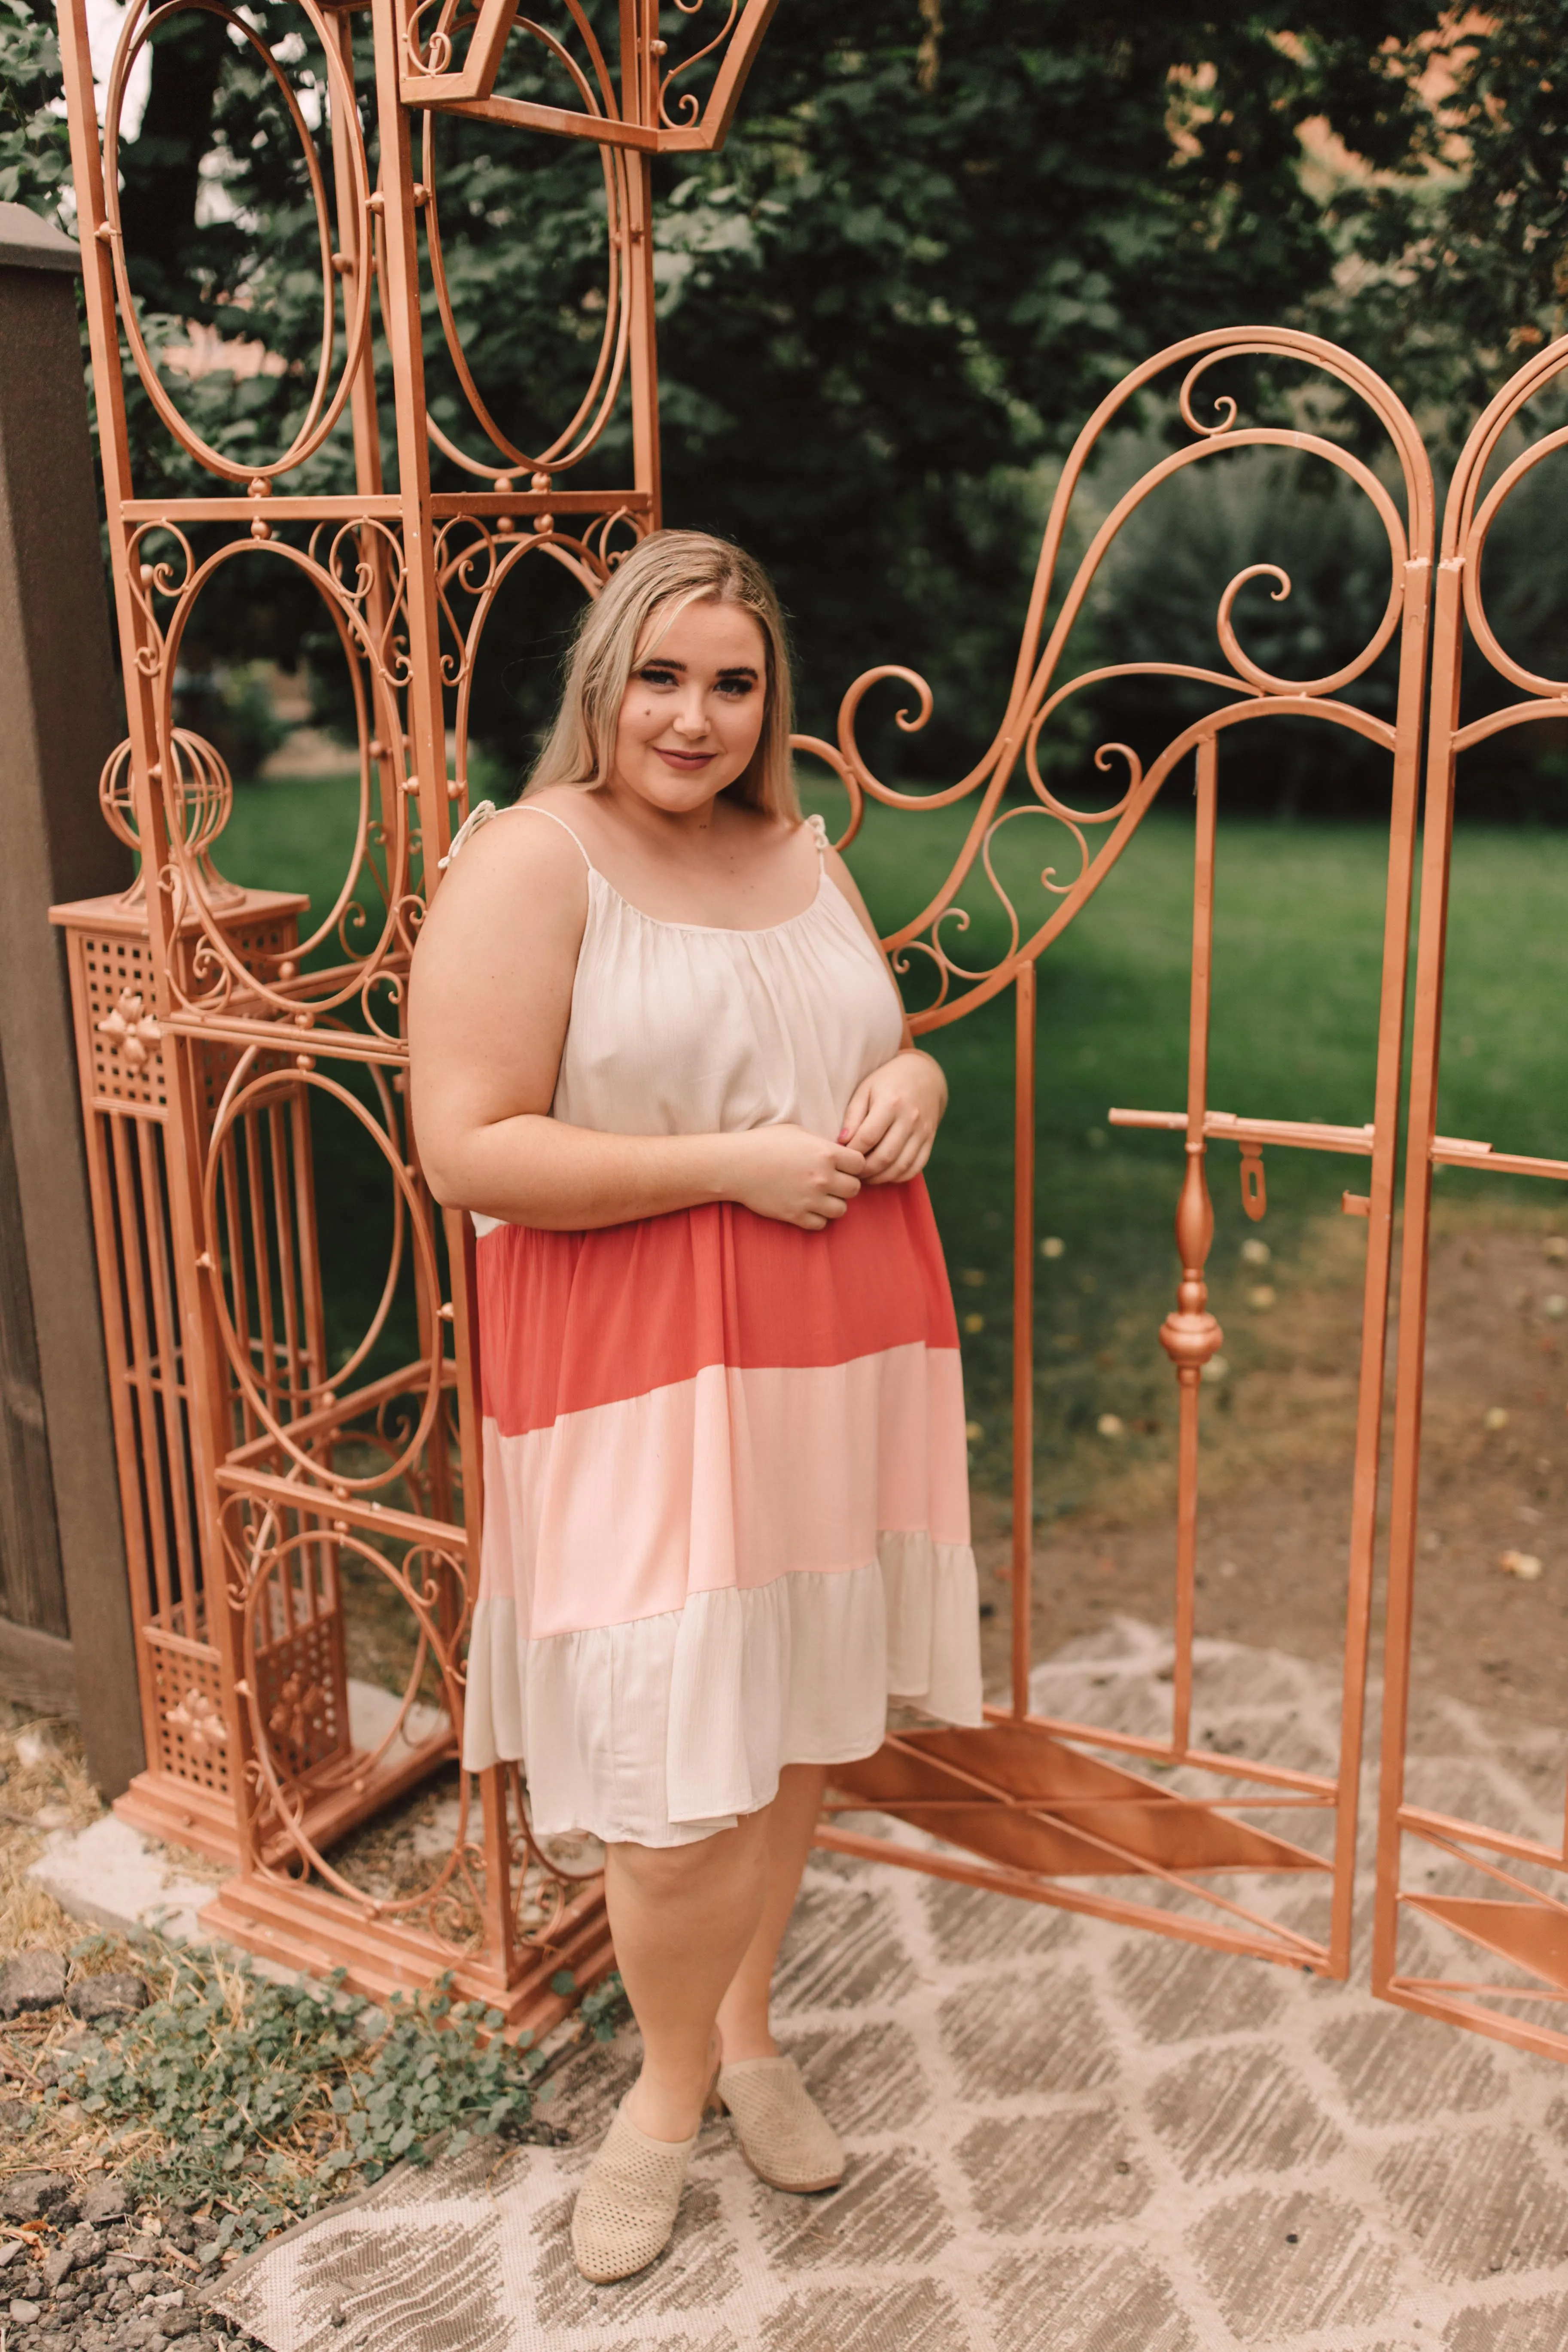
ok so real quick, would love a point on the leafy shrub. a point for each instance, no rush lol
(258, 2101)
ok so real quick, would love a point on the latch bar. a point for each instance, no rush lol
(1306, 1135)
(1458, 1151)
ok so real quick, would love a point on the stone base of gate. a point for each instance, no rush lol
(1065, 2135)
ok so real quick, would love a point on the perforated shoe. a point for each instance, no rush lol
(627, 2206)
(784, 2137)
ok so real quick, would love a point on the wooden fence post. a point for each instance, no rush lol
(66, 1637)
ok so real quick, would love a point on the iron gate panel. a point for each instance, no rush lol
(1512, 1907)
(1025, 1804)
(277, 1490)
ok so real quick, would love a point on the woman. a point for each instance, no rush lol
(657, 1054)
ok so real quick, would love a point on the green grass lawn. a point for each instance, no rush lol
(1298, 955)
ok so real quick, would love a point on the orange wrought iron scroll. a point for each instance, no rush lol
(453, 57)
(1035, 1805)
(1488, 1909)
(288, 1498)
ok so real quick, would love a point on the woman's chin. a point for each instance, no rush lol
(678, 792)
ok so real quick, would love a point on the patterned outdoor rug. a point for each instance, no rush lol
(1066, 2136)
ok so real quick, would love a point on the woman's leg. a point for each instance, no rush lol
(791, 1821)
(682, 1916)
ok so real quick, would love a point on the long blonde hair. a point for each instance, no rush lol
(669, 571)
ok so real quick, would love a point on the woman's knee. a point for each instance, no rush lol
(700, 1868)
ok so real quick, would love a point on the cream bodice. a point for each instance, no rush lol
(689, 1029)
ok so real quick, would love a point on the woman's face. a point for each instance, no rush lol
(693, 707)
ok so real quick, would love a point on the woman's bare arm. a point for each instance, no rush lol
(893, 1114)
(490, 1000)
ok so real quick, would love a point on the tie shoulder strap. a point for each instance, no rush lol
(488, 809)
(476, 818)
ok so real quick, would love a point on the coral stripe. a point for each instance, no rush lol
(569, 1321)
(730, 1479)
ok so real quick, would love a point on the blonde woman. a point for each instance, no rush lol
(658, 1055)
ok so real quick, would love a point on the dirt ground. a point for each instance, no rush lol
(1273, 1547)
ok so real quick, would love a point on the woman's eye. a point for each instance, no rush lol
(737, 688)
(656, 676)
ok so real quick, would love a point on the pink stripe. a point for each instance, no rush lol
(733, 1477)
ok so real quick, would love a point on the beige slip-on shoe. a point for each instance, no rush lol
(627, 2206)
(784, 2137)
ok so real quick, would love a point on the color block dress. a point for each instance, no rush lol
(726, 1494)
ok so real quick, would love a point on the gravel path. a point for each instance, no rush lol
(72, 2286)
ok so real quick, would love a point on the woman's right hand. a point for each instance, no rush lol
(791, 1174)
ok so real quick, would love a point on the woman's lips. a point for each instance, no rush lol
(685, 759)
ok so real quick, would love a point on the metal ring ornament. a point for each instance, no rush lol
(1481, 629)
(269, 1553)
(198, 795)
(304, 1392)
(245, 1093)
(378, 721)
(326, 404)
(479, 569)
(1468, 519)
(581, 435)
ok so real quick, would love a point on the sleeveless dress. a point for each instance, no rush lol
(726, 1492)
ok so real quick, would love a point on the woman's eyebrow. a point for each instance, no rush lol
(731, 669)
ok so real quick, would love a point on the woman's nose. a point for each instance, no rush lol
(690, 718)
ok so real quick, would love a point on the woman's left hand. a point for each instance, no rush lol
(893, 1116)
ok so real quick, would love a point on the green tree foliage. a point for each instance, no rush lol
(953, 257)
(35, 151)
(1466, 253)
(933, 240)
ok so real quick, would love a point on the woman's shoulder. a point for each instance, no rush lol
(566, 802)
(515, 835)
(508, 864)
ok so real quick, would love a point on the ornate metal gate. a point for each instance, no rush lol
(278, 1490)
(283, 1492)
(1037, 1805)
(1502, 1893)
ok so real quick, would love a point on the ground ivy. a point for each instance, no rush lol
(256, 2102)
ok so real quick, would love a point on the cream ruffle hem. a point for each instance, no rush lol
(668, 1728)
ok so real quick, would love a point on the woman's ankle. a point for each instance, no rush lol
(744, 2040)
(663, 2109)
